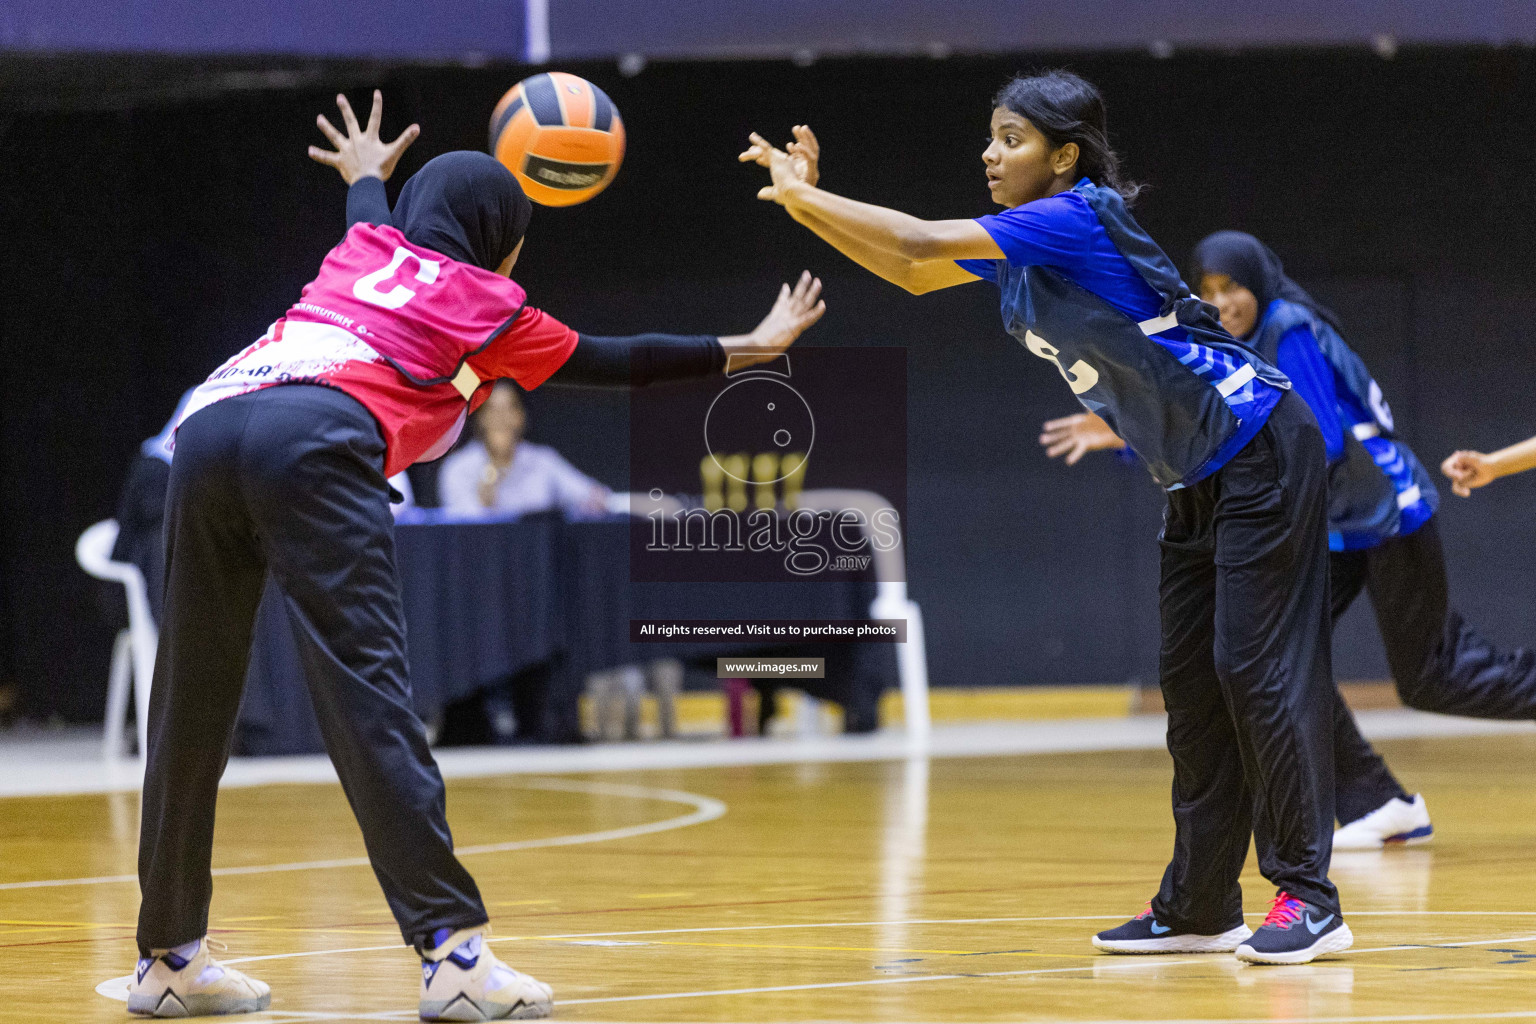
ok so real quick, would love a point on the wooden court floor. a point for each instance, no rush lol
(951, 890)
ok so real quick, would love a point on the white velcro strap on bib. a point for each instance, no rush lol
(1362, 431)
(1409, 497)
(1158, 324)
(466, 381)
(1241, 376)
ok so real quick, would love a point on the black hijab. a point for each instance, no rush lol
(465, 205)
(1254, 265)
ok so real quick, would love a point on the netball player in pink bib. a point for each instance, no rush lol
(281, 462)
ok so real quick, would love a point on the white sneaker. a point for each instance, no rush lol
(188, 982)
(463, 980)
(1395, 822)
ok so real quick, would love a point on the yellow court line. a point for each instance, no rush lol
(33, 927)
(67, 924)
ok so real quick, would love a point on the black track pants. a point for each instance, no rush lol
(289, 479)
(1246, 672)
(1439, 662)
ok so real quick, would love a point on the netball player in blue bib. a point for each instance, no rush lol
(1382, 534)
(1381, 531)
(1245, 662)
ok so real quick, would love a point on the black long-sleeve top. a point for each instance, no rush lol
(597, 360)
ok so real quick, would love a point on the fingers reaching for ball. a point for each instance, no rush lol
(797, 164)
(805, 151)
(795, 309)
(759, 150)
(803, 304)
(361, 153)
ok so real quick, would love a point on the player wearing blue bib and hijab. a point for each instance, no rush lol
(1382, 535)
(1381, 532)
(1245, 663)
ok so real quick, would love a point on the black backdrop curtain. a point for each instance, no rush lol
(142, 246)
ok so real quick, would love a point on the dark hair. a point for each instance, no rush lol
(1067, 108)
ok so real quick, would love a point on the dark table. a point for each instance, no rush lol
(484, 601)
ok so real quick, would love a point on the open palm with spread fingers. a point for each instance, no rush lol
(360, 153)
(794, 311)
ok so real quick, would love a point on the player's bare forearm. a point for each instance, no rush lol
(1470, 470)
(913, 276)
(890, 230)
(1517, 458)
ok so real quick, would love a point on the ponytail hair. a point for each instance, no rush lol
(1065, 107)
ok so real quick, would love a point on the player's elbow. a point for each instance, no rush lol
(919, 243)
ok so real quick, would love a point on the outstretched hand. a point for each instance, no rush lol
(800, 162)
(1467, 470)
(1077, 435)
(794, 311)
(361, 153)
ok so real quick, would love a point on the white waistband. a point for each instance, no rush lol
(1158, 324)
(1242, 375)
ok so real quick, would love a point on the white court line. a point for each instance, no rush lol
(706, 808)
(1094, 967)
(796, 926)
(1409, 1018)
(110, 988)
(1405, 1018)
(74, 767)
(986, 920)
(686, 931)
(869, 924)
(1442, 945)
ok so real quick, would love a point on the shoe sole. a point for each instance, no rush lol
(169, 1004)
(1417, 837)
(460, 1008)
(1413, 837)
(1226, 942)
(1338, 940)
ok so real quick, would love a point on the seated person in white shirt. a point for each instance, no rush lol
(499, 473)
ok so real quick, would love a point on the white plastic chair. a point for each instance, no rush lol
(133, 653)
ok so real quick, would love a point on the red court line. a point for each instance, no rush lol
(65, 942)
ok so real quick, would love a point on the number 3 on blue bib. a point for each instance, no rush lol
(1079, 377)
